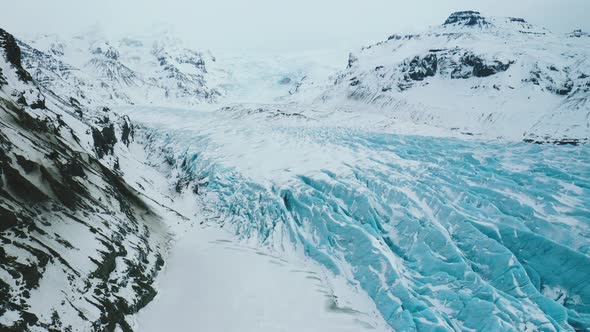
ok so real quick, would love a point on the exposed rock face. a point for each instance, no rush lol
(480, 67)
(127, 131)
(466, 18)
(79, 248)
(517, 19)
(13, 54)
(451, 64)
(104, 140)
(2, 79)
(421, 67)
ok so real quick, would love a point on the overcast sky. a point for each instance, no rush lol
(276, 25)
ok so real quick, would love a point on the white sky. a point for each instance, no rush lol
(276, 25)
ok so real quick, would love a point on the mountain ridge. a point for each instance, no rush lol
(491, 77)
(97, 71)
(80, 245)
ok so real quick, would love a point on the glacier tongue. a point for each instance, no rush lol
(443, 234)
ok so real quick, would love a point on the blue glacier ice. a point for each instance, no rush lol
(442, 233)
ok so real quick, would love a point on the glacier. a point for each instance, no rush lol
(405, 182)
(442, 233)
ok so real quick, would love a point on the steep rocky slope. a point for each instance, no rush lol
(497, 77)
(80, 248)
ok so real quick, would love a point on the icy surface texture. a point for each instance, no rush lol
(443, 234)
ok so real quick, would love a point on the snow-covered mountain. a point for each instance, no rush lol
(80, 246)
(94, 70)
(425, 233)
(481, 76)
(490, 76)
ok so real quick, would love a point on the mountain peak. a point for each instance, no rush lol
(466, 18)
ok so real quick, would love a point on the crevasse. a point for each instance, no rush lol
(442, 233)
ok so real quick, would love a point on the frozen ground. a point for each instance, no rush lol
(442, 233)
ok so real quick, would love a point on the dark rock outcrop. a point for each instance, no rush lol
(481, 67)
(127, 131)
(2, 79)
(420, 68)
(104, 140)
(13, 55)
(517, 19)
(466, 18)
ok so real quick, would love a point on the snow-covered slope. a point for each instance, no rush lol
(96, 71)
(80, 247)
(497, 77)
